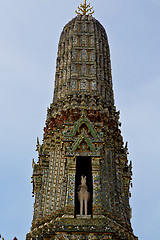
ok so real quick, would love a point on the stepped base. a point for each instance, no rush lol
(82, 227)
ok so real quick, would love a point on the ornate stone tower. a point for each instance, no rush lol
(82, 156)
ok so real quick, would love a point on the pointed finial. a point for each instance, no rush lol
(85, 9)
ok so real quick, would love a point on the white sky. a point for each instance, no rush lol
(29, 34)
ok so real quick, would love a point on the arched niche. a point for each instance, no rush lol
(83, 167)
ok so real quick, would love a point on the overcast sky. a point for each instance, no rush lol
(29, 35)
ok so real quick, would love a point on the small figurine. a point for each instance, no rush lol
(83, 195)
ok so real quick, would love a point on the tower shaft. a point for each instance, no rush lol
(82, 140)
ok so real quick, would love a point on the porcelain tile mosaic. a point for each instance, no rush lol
(82, 141)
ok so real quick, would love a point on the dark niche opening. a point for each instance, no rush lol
(83, 167)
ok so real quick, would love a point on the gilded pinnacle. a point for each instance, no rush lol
(85, 9)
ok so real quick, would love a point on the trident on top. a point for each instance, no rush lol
(85, 9)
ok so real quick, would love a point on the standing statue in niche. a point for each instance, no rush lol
(83, 195)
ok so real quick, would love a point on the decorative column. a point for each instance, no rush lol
(97, 207)
(70, 200)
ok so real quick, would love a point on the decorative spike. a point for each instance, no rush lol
(126, 148)
(37, 142)
(84, 9)
(33, 163)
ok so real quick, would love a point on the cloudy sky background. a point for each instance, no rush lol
(29, 35)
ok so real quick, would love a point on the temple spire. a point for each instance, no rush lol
(85, 9)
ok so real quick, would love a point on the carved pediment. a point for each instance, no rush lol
(83, 143)
(83, 137)
(84, 124)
